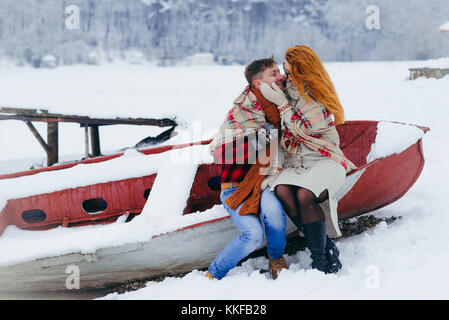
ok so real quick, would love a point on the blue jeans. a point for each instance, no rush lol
(252, 233)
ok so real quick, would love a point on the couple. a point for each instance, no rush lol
(299, 179)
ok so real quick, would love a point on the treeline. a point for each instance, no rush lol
(235, 31)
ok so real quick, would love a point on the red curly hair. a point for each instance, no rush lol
(307, 72)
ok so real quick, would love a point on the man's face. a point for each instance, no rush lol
(270, 75)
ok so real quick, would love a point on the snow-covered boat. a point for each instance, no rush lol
(389, 157)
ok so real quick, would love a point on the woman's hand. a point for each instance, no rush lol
(268, 181)
(274, 94)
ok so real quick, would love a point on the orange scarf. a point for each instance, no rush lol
(248, 191)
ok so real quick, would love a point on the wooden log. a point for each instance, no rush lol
(86, 142)
(95, 140)
(436, 73)
(52, 143)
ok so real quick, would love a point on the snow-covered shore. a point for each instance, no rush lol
(404, 260)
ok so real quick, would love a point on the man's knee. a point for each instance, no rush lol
(253, 239)
(269, 203)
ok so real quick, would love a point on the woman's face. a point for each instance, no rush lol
(287, 68)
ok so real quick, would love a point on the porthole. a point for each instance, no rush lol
(34, 216)
(94, 206)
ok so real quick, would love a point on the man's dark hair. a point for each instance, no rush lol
(257, 67)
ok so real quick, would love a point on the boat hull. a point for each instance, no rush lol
(372, 186)
(383, 182)
(115, 265)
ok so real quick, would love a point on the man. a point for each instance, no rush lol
(242, 139)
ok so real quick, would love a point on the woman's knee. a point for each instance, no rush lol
(310, 209)
(282, 191)
(306, 197)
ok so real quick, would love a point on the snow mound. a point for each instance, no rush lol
(393, 138)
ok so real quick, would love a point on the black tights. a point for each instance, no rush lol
(301, 203)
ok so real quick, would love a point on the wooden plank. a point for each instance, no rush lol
(38, 136)
(23, 111)
(42, 115)
(51, 147)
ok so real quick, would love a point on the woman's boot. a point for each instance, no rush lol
(332, 253)
(297, 222)
(315, 234)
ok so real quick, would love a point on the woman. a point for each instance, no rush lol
(314, 165)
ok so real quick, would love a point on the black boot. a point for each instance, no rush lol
(315, 233)
(332, 253)
(297, 222)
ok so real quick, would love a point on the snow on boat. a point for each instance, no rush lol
(163, 219)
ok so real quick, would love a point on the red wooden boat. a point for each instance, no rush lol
(373, 185)
(383, 181)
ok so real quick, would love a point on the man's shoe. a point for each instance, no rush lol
(276, 265)
(208, 275)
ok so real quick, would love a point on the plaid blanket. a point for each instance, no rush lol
(244, 119)
(312, 125)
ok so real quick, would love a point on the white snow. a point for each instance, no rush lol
(403, 260)
(200, 59)
(194, 95)
(442, 63)
(444, 27)
(393, 138)
(173, 181)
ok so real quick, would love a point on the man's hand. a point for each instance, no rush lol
(274, 94)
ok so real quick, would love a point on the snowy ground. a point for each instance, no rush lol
(405, 260)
